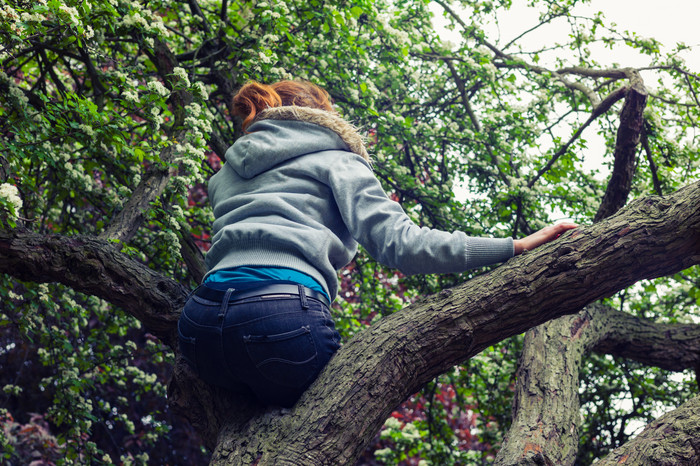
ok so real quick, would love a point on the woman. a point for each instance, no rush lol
(292, 202)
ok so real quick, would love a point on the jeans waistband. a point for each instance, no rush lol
(218, 295)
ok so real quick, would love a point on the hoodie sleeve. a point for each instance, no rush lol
(382, 227)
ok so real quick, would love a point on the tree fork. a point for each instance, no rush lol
(383, 365)
(380, 367)
(542, 432)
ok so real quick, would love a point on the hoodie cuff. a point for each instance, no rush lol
(487, 251)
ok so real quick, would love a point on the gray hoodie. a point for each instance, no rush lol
(292, 193)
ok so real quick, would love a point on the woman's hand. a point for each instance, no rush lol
(545, 235)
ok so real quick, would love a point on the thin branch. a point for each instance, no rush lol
(533, 28)
(463, 94)
(692, 91)
(475, 120)
(194, 6)
(224, 10)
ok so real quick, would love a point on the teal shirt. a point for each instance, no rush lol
(250, 275)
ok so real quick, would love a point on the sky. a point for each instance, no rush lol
(669, 22)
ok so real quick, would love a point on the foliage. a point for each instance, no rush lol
(102, 100)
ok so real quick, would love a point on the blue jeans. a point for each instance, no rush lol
(274, 347)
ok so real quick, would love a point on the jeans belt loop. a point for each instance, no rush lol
(224, 302)
(302, 298)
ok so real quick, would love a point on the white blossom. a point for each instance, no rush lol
(264, 58)
(9, 13)
(134, 20)
(158, 88)
(87, 129)
(131, 96)
(10, 194)
(32, 18)
(182, 74)
(71, 13)
(200, 90)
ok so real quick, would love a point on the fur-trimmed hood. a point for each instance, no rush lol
(282, 133)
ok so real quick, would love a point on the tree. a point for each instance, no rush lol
(114, 114)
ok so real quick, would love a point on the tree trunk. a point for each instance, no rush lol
(546, 404)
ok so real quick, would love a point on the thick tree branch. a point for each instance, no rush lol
(674, 347)
(192, 255)
(95, 267)
(383, 365)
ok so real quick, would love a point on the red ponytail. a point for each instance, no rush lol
(254, 97)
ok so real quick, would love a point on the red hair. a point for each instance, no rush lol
(254, 97)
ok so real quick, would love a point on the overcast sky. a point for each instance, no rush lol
(669, 22)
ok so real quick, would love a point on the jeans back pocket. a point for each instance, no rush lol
(288, 359)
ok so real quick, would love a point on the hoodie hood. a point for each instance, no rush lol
(283, 133)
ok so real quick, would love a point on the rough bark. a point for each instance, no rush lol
(671, 440)
(629, 133)
(95, 267)
(544, 430)
(674, 347)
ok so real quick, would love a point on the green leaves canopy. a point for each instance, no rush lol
(114, 113)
